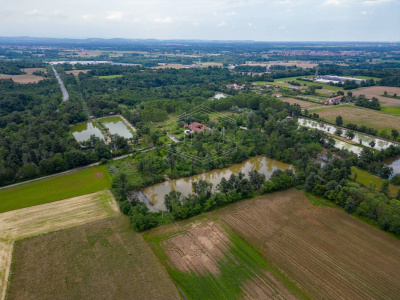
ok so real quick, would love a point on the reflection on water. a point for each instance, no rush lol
(155, 193)
(340, 145)
(394, 162)
(82, 132)
(366, 139)
(116, 126)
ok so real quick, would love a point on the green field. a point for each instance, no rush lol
(366, 178)
(55, 188)
(393, 110)
(109, 76)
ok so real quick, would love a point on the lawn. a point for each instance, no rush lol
(77, 183)
(366, 178)
(109, 76)
(393, 110)
(105, 259)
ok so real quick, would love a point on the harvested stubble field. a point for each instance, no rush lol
(24, 78)
(100, 260)
(360, 116)
(326, 252)
(22, 223)
(303, 104)
(208, 262)
(377, 91)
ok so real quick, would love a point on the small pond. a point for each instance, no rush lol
(83, 131)
(116, 126)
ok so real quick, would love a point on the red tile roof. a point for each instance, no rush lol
(198, 127)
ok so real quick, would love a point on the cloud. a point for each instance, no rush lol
(354, 2)
(222, 24)
(115, 16)
(231, 13)
(165, 20)
(87, 17)
(33, 12)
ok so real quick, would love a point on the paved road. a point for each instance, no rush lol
(62, 86)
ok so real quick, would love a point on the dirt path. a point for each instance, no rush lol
(30, 221)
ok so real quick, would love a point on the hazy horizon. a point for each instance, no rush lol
(233, 20)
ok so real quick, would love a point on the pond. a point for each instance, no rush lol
(394, 162)
(83, 131)
(116, 126)
(340, 145)
(366, 139)
(154, 195)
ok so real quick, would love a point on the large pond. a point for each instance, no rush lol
(116, 126)
(366, 139)
(83, 131)
(154, 195)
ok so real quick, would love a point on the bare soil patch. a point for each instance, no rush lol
(105, 259)
(98, 175)
(24, 78)
(377, 91)
(76, 72)
(303, 104)
(31, 70)
(198, 248)
(328, 253)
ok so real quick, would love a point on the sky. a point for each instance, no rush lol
(260, 20)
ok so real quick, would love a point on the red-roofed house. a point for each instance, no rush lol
(197, 127)
(333, 100)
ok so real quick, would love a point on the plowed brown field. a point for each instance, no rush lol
(326, 252)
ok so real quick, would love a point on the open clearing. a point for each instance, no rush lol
(76, 72)
(180, 66)
(360, 116)
(303, 104)
(377, 91)
(22, 223)
(24, 78)
(208, 262)
(366, 178)
(81, 182)
(328, 253)
(100, 260)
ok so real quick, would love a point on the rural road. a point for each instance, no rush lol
(62, 86)
(173, 138)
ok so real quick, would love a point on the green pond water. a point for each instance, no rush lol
(153, 195)
(83, 131)
(116, 126)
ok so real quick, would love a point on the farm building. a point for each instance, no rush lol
(278, 95)
(333, 100)
(196, 127)
(235, 86)
(336, 79)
